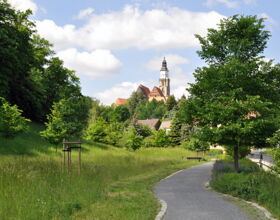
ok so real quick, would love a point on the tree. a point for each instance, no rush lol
(236, 97)
(171, 102)
(120, 114)
(11, 120)
(96, 130)
(161, 139)
(153, 109)
(134, 100)
(132, 140)
(67, 120)
(175, 131)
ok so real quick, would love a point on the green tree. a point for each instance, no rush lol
(236, 97)
(153, 109)
(134, 100)
(96, 130)
(171, 102)
(11, 120)
(161, 139)
(67, 120)
(175, 131)
(120, 114)
(132, 140)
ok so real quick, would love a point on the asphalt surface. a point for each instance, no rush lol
(255, 154)
(188, 199)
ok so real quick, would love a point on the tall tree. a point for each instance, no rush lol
(235, 97)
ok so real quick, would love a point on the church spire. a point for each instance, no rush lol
(164, 65)
(164, 81)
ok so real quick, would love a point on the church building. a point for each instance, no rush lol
(160, 93)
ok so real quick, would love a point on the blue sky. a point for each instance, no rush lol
(115, 45)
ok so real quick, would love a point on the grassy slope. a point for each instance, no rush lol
(114, 183)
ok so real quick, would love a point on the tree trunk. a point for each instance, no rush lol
(235, 157)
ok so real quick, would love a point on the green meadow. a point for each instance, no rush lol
(114, 183)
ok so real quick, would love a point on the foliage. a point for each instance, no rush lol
(120, 114)
(234, 100)
(143, 130)
(161, 139)
(149, 141)
(29, 77)
(67, 120)
(131, 140)
(171, 102)
(195, 144)
(96, 130)
(215, 152)
(250, 184)
(11, 120)
(154, 109)
(134, 100)
(175, 131)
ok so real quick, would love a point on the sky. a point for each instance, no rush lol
(115, 45)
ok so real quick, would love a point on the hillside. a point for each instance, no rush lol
(114, 183)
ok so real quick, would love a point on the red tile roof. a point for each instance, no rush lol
(144, 89)
(156, 92)
(120, 101)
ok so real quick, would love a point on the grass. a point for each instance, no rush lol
(114, 183)
(251, 184)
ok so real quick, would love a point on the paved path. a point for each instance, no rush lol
(187, 198)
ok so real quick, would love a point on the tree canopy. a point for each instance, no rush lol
(236, 96)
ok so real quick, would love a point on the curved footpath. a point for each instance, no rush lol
(188, 199)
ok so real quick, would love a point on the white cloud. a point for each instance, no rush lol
(131, 27)
(96, 64)
(179, 91)
(172, 60)
(121, 90)
(249, 2)
(85, 13)
(24, 5)
(227, 3)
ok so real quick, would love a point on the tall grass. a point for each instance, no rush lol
(251, 183)
(114, 183)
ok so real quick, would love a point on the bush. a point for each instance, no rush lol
(149, 141)
(96, 131)
(195, 144)
(131, 140)
(11, 121)
(215, 152)
(161, 139)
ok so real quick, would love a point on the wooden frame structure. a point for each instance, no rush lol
(66, 149)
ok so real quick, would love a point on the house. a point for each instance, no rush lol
(166, 125)
(153, 123)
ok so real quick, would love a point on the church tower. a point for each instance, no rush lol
(164, 81)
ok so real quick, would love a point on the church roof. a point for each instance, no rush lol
(120, 101)
(144, 89)
(156, 92)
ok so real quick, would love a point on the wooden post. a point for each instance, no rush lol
(79, 161)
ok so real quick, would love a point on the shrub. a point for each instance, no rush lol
(11, 121)
(161, 139)
(131, 140)
(215, 152)
(96, 130)
(195, 144)
(149, 141)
